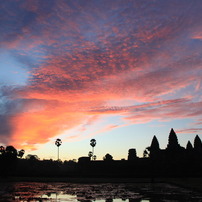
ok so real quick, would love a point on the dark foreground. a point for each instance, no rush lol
(101, 189)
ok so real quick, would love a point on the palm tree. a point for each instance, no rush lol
(92, 144)
(58, 142)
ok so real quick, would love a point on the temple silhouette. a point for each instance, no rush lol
(174, 151)
(173, 161)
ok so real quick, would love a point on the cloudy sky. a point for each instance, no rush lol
(118, 71)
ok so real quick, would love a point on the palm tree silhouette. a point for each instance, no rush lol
(58, 142)
(92, 144)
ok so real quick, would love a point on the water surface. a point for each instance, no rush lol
(116, 192)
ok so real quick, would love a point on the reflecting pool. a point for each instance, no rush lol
(108, 192)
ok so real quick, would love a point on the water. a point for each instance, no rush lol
(105, 192)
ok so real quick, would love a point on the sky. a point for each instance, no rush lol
(117, 71)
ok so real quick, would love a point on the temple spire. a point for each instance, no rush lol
(154, 148)
(172, 140)
(189, 146)
(197, 143)
(154, 144)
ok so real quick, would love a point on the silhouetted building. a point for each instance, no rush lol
(189, 146)
(173, 144)
(197, 144)
(84, 160)
(154, 148)
(132, 154)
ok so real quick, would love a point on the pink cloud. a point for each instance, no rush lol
(191, 130)
(180, 110)
(92, 54)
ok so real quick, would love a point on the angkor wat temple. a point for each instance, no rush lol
(173, 151)
(173, 161)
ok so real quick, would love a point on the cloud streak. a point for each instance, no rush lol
(191, 130)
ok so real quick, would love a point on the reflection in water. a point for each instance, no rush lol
(59, 196)
(108, 192)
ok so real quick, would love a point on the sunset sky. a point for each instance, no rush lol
(118, 71)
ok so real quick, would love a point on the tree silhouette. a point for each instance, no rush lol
(58, 142)
(32, 157)
(90, 154)
(21, 153)
(2, 149)
(108, 157)
(146, 152)
(9, 158)
(11, 151)
(92, 144)
(94, 157)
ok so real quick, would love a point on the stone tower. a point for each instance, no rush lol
(132, 155)
(197, 144)
(154, 148)
(173, 141)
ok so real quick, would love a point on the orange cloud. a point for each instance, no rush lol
(32, 128)
(81, 55)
